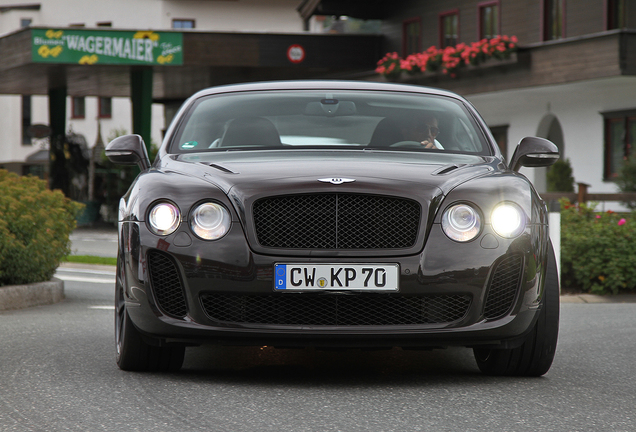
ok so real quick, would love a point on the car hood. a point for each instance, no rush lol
(247, 176)
(248, 173)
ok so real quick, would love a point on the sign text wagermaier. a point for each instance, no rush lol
(106, 47)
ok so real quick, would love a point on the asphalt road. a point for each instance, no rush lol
(100, 242)
(58, 374)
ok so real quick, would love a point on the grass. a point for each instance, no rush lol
(88, 259)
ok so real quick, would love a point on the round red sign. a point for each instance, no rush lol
(296, 53)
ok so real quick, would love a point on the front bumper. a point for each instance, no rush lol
(185, 290)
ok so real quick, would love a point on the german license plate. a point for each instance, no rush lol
(339, 277)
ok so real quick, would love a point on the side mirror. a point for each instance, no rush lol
(534, 152)
(128, 150)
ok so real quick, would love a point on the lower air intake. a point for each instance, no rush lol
(335, 310)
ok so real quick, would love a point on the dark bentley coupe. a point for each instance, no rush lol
(334, 214)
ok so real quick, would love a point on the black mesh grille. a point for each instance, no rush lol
(166, 283)
(504, 287)
(335, 310)
(336, 221)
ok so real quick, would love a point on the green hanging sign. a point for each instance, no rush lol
(80, 46)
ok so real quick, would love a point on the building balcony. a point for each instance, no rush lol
(590, 57)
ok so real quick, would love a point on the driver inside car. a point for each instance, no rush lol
(422, 129)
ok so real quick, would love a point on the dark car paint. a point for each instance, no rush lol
(435, 264)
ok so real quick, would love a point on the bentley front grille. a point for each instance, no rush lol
(166, 284)
(335, 310)
(336, 221)
(504, 287)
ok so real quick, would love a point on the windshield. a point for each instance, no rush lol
(323, 119)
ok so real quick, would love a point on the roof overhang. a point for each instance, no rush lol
(208, 59)
(25, 6)
(363, 9)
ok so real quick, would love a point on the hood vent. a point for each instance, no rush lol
(447, 169)
(222, 168)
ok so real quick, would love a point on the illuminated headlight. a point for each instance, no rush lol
(163, 218)
(461, 222)
(508, 220)
(210, 221)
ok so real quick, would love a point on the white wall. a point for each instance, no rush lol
(209, 15)
(61, 13)
(10, 129)
(277, 16)
(578, 108)
(121, 119)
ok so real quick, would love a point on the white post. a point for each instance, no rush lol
(555, 235)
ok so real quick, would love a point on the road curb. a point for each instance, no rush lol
(36, 294)
(84, 266)
(595, 299)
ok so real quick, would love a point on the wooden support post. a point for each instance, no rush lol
(582, 196)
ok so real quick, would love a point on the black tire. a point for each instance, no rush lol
(133, 353)
(534, 357)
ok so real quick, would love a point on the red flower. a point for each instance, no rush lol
(449, 59)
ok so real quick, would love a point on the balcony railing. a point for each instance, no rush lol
(601, 55)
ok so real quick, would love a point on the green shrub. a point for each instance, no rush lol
(597, 249)
(559, 177)
(35, 224)
(626, 179)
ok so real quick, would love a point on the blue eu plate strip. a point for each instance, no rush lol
(280, 278)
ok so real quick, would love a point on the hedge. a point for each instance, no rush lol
(35, 224)
(598, 250)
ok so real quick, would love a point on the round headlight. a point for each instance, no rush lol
(164, 218)
(210, 221)
(461, 222)
(508, 220)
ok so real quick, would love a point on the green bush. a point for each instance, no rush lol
(35, 224)
(559, 177)
(626, 179)
(597, 250)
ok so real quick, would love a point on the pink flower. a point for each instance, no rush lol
(598, 216)
(622, 222)
(448, 59)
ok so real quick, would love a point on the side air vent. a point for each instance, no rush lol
(503, 287)
(166, 284)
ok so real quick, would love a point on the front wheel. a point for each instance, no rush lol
(133, 353)
(534, 357)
